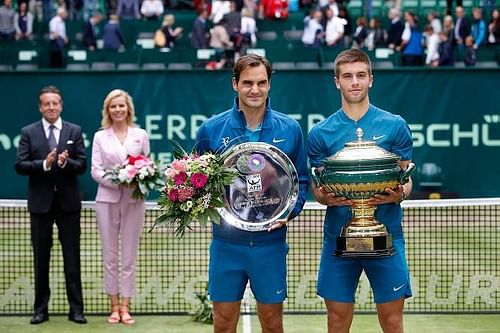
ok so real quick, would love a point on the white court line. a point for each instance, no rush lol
(246, 318)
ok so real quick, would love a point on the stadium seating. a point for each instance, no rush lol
(278, 40)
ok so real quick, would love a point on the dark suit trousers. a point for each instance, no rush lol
(68, 226)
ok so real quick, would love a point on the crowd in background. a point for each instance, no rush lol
(230, 27)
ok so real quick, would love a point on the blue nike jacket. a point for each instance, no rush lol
(228, 129)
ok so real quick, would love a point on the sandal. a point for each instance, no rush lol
(114, 317)
(125, 315)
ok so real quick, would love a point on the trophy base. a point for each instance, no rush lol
(364, 246)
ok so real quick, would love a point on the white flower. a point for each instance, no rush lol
(186, 206)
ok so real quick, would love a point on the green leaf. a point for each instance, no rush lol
(177, 150)
(203, 218)
(214, 216)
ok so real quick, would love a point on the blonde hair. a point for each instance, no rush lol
(168, 20)
(106, 118)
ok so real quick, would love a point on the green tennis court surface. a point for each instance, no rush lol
(363, 323)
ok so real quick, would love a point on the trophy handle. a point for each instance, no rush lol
(316, 177)
(405, 176)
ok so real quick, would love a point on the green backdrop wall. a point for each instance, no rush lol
(454, 114)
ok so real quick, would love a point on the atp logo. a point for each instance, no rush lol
(254, 183)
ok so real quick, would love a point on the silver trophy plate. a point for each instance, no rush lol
(266, 189)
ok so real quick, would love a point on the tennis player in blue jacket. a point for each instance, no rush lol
(238, 256)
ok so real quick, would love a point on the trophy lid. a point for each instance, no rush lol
(362, 152)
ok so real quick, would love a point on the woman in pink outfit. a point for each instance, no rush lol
(119, 217)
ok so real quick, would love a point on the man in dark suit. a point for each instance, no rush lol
(89, 37)
(396, 29)
(462, 27)
(199, 38)
(51, 152)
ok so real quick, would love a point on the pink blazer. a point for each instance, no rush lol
(107, 151)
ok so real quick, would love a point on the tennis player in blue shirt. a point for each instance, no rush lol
(238, 256)
(338, 277)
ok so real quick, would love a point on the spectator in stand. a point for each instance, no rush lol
(334, 32)
(219, 9)
(494, 28)
(152, 9)
(412, 42)
(23, 22)
(169, 32)
(432, 44)
(273, 9)
(449, 27)
(433, 20)
(446, 57)
(233, 25)
(462, 27)
(113, 37)
(35, 7)
(313, 33)
(128, 9)
(333, 6)
(251, 6)
(7, 27)
(344, 14)
(199, 33)
(90, 31)
(470, 51)
(377, 35)
(248, 31)
(58, 38)
(478, 28)
(360, 34)
(220, 41)
(395, 29)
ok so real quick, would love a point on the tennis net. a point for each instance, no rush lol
(452, 251)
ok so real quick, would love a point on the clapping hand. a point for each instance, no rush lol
(51, 158)
(62, 157)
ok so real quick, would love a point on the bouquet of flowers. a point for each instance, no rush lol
(138, 172)
(194, 186)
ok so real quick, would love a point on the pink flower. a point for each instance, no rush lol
(198, 179)
(133, 159)
(173, 195)
(131, 172)
(180, 178)
(140, 163)
(185, 193)
(171, 173)
(180, 165)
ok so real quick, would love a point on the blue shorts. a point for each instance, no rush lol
(338, 277)
(232, 265)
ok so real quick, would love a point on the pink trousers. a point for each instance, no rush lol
(120, 225)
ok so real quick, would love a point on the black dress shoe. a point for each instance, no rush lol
(39, 318)
(78, 318)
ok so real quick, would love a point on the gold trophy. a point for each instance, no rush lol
(357, 172)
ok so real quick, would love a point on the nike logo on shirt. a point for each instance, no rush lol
(397, 288)
(278, 140)
(375, 138)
